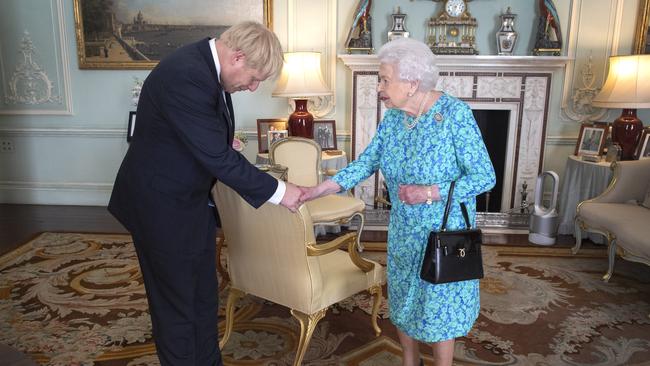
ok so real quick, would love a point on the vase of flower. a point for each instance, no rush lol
(506, 36)
(239, 141)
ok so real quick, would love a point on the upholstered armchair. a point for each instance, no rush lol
(621, 214)
(272, 254)
(302, 157)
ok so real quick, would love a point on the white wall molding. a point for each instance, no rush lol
(55, 193)
(582, 73)
(65, 132)
(311, 26)
(561, 140)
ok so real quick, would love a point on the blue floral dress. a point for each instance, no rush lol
(445, 145)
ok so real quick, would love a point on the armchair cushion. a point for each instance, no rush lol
(646, 202)
(628, 221)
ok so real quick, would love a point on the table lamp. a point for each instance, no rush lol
(301, 78)
(627, 87)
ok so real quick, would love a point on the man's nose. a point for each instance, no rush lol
(253, 86)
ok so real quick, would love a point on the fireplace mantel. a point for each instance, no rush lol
(448, 62)
(520, 84)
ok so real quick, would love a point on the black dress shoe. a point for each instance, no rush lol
(421, 362)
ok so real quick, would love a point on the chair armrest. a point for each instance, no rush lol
(630, 182)
(351, 239)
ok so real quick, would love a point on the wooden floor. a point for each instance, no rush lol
(20, 223)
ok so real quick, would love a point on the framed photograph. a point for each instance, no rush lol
(130, 127)
(128, 34)
(263, 128)
(276, 135)
(591, 140)
(325, 134)
(643, 151)
(641, 37)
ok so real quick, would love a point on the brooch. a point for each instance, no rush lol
(438, 117)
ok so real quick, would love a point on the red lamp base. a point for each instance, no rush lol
(626, 131)
(301, 122)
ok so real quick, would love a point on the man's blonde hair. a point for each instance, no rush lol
(261, 47)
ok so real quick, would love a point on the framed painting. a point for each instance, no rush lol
(591, 140)
(643, 151)
(130, 34)
(641, 38)
(325, 134)
(263, 128)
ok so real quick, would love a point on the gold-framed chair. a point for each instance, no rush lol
(303, 157)
(621, 214)
(272, 254)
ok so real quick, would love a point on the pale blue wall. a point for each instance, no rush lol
(70, 154)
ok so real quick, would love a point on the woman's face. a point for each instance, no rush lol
(392, 91)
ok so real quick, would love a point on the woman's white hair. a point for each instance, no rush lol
(413, 60)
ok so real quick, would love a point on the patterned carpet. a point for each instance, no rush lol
(78, 299)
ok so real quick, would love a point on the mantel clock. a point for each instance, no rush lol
(453, 30)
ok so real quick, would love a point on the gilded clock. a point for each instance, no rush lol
(453, 30)
(455, 8)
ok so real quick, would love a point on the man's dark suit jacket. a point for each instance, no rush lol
(181, 143)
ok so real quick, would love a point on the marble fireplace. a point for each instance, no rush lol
(518, 85)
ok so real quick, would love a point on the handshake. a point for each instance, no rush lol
(294, 196)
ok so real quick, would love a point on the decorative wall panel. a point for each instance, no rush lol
(33, 58)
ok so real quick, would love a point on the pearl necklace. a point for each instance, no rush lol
(416, 120)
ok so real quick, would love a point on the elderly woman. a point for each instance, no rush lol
(426, 140)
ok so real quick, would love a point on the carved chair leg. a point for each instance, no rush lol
(233, 296)
(375, 291)
(225, 279)
(362, 220)
(611, 255)
(578, 235)
(307, 326)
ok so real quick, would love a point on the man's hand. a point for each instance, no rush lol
(291, 199)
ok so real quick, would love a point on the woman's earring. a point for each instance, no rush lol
(409, 94)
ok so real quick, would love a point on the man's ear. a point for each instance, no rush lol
(238, 56)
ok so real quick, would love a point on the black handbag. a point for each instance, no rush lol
(453, 255)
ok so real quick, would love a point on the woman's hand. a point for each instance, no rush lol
(325, 188)
(413, 194)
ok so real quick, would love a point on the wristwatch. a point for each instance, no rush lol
(429, 196)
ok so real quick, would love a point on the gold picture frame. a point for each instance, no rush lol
(641, 39)
(114, 44)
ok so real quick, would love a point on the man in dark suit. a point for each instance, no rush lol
(181, 144)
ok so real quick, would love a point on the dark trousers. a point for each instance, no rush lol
(182, 293)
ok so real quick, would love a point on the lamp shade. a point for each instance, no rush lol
(627, 84)
(301, 76)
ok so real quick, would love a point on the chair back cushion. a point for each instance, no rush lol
(301, 156)
(266, 251)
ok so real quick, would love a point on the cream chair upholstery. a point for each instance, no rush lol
(272, 254)
(302, 157)
(621, 214)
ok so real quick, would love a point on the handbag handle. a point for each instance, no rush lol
(448, 208)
